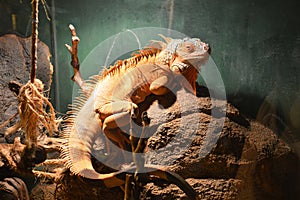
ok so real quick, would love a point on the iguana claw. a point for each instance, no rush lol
(134, 111)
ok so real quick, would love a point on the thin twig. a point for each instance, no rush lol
(128, 187)
(137, 147)
(46, 9)
(47, 175)
(52, 162)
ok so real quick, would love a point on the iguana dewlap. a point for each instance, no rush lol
(116, 92)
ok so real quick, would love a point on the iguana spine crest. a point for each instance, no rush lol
(144, 55)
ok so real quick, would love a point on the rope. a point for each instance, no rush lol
(35, 21)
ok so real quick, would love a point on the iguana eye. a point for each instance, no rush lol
(189, 48)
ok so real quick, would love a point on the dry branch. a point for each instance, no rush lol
(75, 61)
(51, 144)
(46, 175)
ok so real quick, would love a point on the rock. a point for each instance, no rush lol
(235, 150)
(13, 189)
(15, 65)
(220, 153)
(208, 142)
(209, 189)
(43, 191)
(74, 187)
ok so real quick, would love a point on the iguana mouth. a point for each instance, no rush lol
(193, 60)
(197, 56)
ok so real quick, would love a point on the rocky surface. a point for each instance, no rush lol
(220, 153)
(229, 157)
(15, 64)
(208, 189)
(225, 156)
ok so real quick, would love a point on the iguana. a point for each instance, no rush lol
(113, 96)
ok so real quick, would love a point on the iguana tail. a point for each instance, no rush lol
(79, 162)
(174, 178)
(118, 178)
(78, 155)
(160, 172)
(77, 152)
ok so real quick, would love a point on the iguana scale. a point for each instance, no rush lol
(113, 97)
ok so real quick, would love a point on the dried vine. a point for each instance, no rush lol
(32, 113)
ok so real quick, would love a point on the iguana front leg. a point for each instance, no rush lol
(118, 114)
(114, 115)
(162, 85)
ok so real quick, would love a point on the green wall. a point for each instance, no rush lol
(255, 44)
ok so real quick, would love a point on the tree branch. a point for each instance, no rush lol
(75, 61)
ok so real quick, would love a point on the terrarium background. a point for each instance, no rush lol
(255, 44)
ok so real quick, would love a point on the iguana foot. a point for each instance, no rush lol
(117, 137)
(134, 111)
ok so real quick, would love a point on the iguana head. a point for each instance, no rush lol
(185, 57)
(190, 52)
(180, 54)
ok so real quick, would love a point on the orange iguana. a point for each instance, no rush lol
(113, 96)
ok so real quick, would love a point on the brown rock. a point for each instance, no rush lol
(222, 155)
(15, 64)
(251, 156)
(13, 188)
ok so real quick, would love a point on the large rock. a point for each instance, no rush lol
(221, 154)
(15, 65)
(237, 159)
